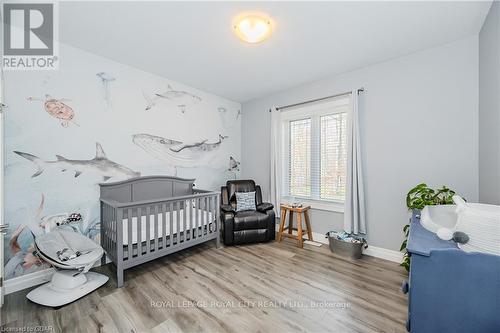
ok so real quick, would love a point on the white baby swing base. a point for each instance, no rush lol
(73, 255)
(66, 287)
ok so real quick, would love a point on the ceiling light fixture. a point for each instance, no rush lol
(253, 28)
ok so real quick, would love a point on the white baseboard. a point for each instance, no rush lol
(372, 251)
(28, 280)
(380, 252)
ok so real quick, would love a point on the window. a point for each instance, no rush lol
(314, 150)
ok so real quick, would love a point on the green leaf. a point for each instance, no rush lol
(406, 265)
(403, 245)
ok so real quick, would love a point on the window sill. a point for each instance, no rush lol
(316, 204)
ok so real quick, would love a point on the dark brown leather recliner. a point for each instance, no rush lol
(250, 226)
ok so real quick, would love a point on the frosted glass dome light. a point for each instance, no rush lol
(253, 28)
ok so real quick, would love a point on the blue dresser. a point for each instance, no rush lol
(450, 290)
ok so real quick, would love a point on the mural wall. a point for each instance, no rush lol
(95, 121)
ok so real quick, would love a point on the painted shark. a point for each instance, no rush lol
(100, 164)
(181, 98)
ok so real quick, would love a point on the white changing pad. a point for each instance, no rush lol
(204, 218)
(481, 222)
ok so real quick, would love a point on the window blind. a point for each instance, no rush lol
(299, 169)
(315, 151)
(333, 156)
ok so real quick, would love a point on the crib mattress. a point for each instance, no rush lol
(186, 222)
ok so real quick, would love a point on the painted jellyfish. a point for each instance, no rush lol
(106, 78)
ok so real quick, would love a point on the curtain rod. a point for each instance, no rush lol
(315, 100)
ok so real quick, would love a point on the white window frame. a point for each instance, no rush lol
(314, 112)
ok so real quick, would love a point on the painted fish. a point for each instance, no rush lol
(177, 152)
(181, 98)
(100, 164)
(150, 101)
(228, 118)
(57, 109)
(233, 165)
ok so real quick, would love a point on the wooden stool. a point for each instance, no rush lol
(285, 209)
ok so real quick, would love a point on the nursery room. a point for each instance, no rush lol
(260, 166)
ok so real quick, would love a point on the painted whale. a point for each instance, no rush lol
(178, 153)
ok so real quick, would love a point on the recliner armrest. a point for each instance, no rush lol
(264, 207)
(227, 209)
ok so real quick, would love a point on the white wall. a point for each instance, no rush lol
(489, 108)
(419, 123)
(29, 128)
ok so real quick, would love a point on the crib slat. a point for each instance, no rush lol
(184, 220)
(199, 217)
(111, 227)
(211, 214)
(201, 208)
(189, 204)
(199, 205)
(156, 227)
(195, 218)
(187, 221)
(106, 218)
(115, 230)
(148, 225)
(110, 230)
(178, 221)
(171, 224)
(199, 221)
(130, 246)
(113, 219)
(215, 221)
(104, 225)
(205, 213)
(110, 224)
(215, 216)
(113, 222)
(164, 226)
(104, 221)
(209, 207)
(139, 231)
(180, 217)
(192, 219)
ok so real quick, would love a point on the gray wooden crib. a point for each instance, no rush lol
(146, 218)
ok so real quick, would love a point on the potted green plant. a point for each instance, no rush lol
(416, 199)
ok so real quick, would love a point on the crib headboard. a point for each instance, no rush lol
(146, 188)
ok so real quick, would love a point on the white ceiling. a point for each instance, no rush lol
(193, 43)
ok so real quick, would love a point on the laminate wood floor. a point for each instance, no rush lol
(273, 287)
